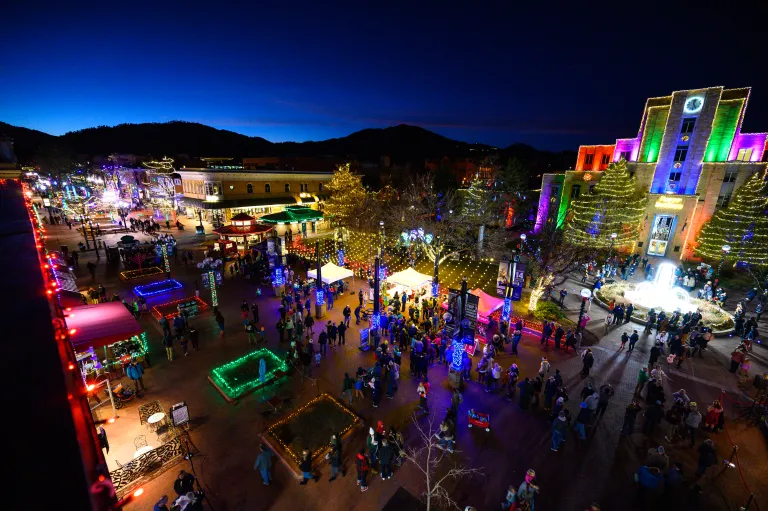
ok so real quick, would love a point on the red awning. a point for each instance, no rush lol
(101, 325)
(237, 230)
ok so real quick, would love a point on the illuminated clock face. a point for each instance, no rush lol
(693, 105)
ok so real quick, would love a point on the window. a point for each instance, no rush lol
(588, 159)
(688, 125)
(320, 187)
(730, 176)
(555, 194)
(212, 188)
(624, 155)
(723, 200)
(591, 188)
(267, 188)
(575, 191)
(680, 153)
(249, 188)
(304, 187)
(287, 187)
(605, 159)
(744, 154)
(675, 176)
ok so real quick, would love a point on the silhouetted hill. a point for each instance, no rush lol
(401, 143)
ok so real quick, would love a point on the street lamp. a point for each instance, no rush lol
(586, 294)
(726, 251)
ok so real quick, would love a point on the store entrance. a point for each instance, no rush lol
(661, 233)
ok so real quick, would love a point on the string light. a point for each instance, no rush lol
(157, 288)
(241, 375)
(137, 274)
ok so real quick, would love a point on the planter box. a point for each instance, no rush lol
(129, 275)
(241, 377)
(192, 304)
(157, 288)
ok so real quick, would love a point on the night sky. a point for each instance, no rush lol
(289, 71)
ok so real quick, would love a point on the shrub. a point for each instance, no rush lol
(548, 311)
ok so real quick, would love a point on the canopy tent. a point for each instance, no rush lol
(100, 325)
(409, 278)
(331, 273)
(488, 304)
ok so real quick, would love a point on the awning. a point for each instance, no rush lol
(64, 278)
(308, 200)
(292, 214)
(488, 304)
(409, 278)
(331, 273)
(100, 325)
(239, 203)
(245, 230)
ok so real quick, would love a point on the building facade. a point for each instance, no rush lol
(689, 156)
(218, 195)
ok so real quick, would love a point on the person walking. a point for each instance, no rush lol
(588, 360)
(305, 465)
(168, 344)
(250, 329)
(255, 312)
(674, 417)
(692, 421)
(559, 428)
(264, 464)
(653, 416)
(347, 387)
(386, 455)
(456, 400)
(423, 391)
(582, 419)
(135, 372)
(633, 340)
(363, 467)
(335, 458)
(347, 315)
(342, 329)
(220, 323)
(527, 491)
(642, 378)
(707, 457)
(630, 416)
(606, 393)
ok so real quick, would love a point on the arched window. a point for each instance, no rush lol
(267, 188)
(320, 187)
(287, 187)
(249, 188)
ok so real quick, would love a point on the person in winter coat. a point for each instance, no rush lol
(707, 457)
(135, 372)
(674, 417)
(544, 367)
(587, 362)
(692, 421)
(264, 464)
(606, 393)
(386, 455)
(584, 418)
(335, 457)
(656, 457)
(550, 389)
(653, 417)
(714, 414)
(559, 428)
(630, 416)
(362, 466)
(305, 465)
(372, 442)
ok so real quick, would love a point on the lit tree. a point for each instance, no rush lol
(436, 466)
(480, 207)
(614, 206)
(347, 199)
(743, 225)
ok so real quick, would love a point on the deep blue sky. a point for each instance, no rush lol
(287, 71)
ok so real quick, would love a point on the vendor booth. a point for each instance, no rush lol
(331, 273)
(106, 337)
(244, 231)
(408, 280)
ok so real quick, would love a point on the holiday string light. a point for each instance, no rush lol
(157, 288)
(170, 309)
(743, 225)
(272, 431)
(137, 274)
(614, 206)
(230, 379)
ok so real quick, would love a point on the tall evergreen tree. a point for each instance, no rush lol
(743, 226)
(614, 206)
(347, 196)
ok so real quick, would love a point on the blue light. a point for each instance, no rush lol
(157, 288)
(507, 309)
(278, 276)
(458, 355)
(435, 289)
(341, 257)
(319, 297)
(375, 321)
(382, 272)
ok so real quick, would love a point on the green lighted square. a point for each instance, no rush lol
(242, 375)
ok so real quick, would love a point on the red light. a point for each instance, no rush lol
(72, 331)
(68, 309)
(111, 420)
(90, 387)
(138, 492)
(71, 366)
(49, 292)
(46, 266)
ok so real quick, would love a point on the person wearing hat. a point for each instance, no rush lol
(528, 489)
(161, 505)
(656, 457)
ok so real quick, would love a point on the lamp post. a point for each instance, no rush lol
(211, 274)
(376, 316)
(382, 236)
(319, 292)
(436, 275)
(586, 294)
(726, 251)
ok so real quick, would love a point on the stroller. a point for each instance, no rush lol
(121, 395)
(481, 420)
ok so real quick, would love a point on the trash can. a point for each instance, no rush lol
(199, 229)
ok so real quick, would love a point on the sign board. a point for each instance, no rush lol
(206, 283)
(46, 202)
(501, 280)
(471, 312)
(180, 414)
(519, 274)
(667, 202)
(517, 293)
(364, 339)
(219, 278)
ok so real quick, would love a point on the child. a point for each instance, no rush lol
(361, 463)
(318, 356)
(359, 387)
(509, 503)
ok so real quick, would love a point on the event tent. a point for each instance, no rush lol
(488, 304)
(409, 278)
(331, 273)
(100, 325)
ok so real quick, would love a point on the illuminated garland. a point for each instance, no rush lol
(743, 225)
(317, 453)
(613, 207)
(235, 388)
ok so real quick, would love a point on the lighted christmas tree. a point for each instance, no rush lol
(347, 196)
(614, 206)
(743, 226)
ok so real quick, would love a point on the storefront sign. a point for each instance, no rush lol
(666, 202)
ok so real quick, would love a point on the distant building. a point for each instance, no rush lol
(293, 163)
(689, 156)
(9, 166)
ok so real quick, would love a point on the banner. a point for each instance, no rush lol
(501, 280)
(470, 314)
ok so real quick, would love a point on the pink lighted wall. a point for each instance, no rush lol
(754, 141)
(626, 144)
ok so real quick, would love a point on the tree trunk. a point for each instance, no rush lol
(480, 236)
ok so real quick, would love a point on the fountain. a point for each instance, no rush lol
(661, 294)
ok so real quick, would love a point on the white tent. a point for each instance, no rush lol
(409, 278)
(331, 273)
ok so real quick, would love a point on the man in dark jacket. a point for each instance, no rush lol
(653, 417)
(264, 464)
(335, 457)
(559, 333)
(184, 484)
(305, 465)
(386, 454)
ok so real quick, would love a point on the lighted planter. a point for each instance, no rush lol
(193, 305)
(240, 377)
(157, 288)
(310, 427)
(127, 275)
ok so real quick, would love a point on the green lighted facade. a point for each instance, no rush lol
(654, 134)
(723, 130)
(240, 376)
